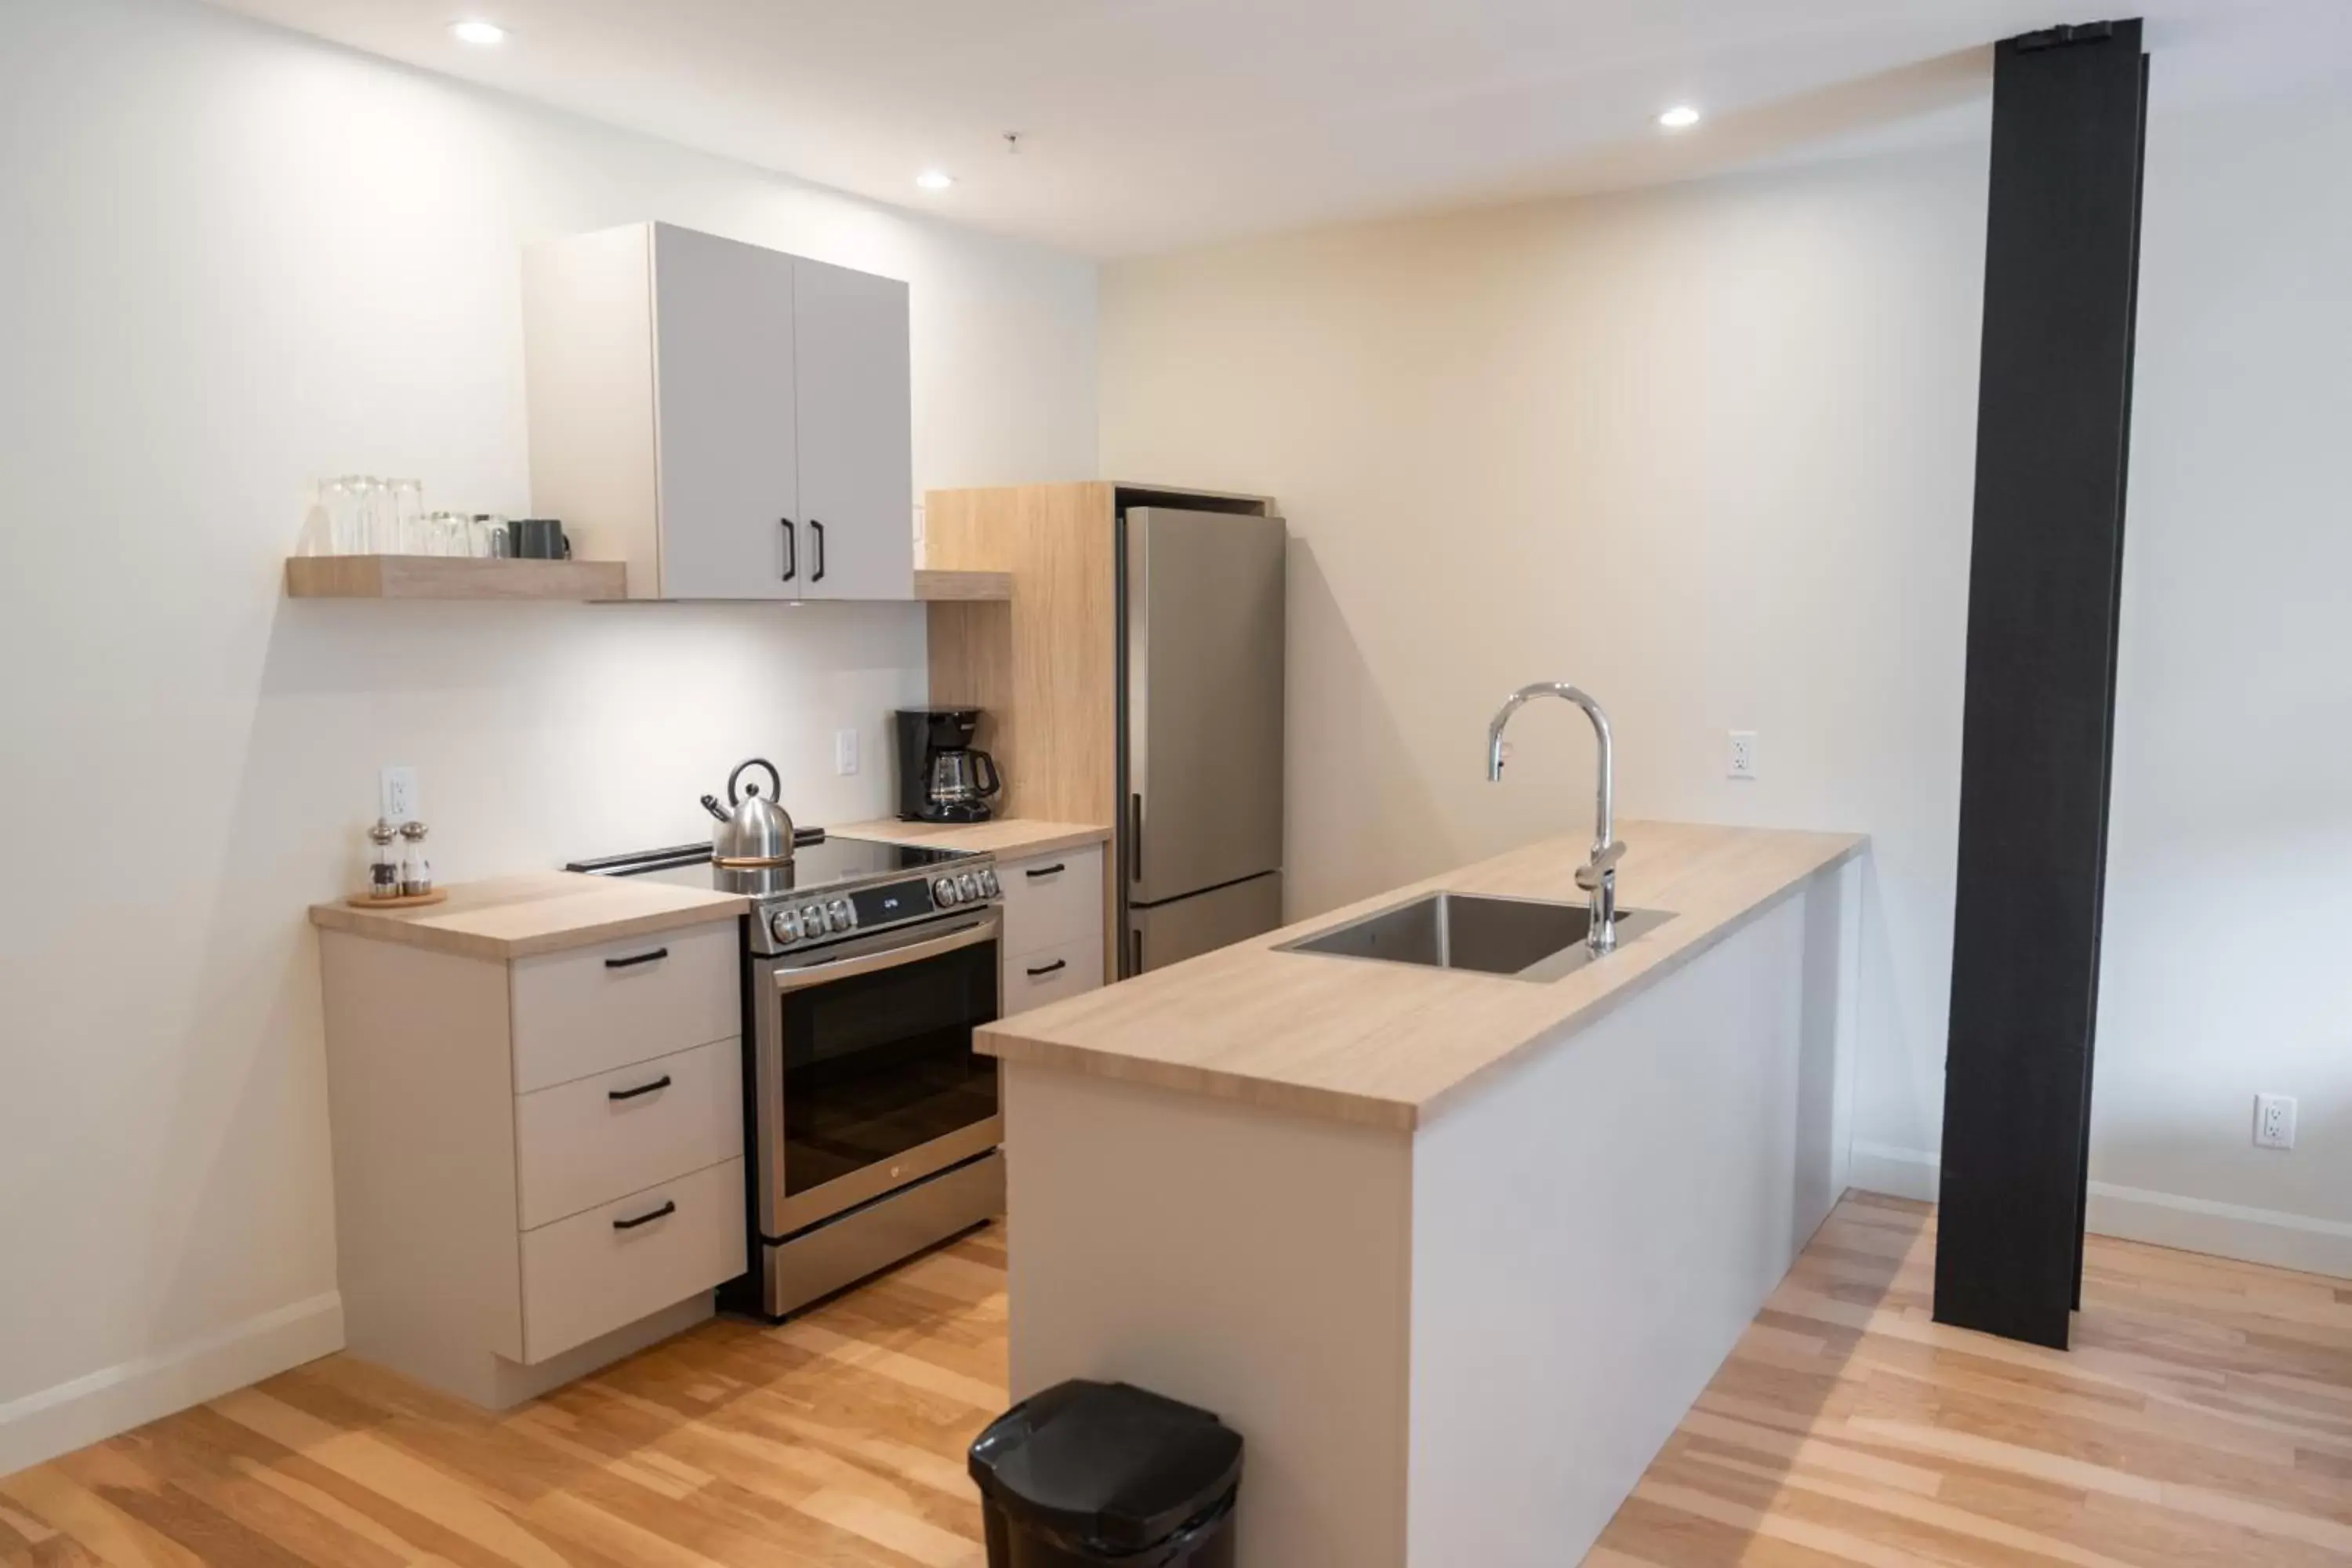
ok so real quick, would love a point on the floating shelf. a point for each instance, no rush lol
(966, 587)
(452, 577)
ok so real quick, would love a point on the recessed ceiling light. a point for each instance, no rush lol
(484, 33)
(934, 180)
(1681, 116)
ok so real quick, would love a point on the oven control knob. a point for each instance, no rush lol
(965, 887)
(944, 891)
(786, 925)
(988, 886)
(841, 915)
(813, 920)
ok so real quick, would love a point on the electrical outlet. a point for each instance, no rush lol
(396, 795)
(1743, 755)
(844, 752)
(2274, 1121)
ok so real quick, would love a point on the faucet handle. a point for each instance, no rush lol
(1603, 864)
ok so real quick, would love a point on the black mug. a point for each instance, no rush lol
(539, 538)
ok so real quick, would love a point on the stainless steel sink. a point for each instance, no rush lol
(1525, 939)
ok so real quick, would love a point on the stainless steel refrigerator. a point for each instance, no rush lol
(1201, 723)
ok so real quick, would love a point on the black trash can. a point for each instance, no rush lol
(1107, 1472)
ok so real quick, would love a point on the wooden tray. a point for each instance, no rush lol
(363, 901)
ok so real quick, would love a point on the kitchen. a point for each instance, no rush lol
(1596, 444)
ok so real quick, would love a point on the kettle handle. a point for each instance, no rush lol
(992, 783)
(775, 782)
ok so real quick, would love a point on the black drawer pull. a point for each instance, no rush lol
(1056, 868)
(641, 958)
(1050, 968)
(661, 1082)
(662, 1212)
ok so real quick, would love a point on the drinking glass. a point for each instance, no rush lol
(490, 539)
(369, 503)
(340, 499)
(434, 535)
(404, 518)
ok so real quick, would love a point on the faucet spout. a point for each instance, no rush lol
(1598, 876)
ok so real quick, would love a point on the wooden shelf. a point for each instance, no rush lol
(451, 577)
(961, 587)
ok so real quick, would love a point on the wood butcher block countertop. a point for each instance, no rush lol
(1010, 837)
(535, 912)
(1383, 1044)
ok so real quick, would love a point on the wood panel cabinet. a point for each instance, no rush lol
(732, 421)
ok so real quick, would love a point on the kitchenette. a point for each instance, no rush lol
(1366, 1188)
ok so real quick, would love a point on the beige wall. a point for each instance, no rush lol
(1709, 451)
(233, 259)
(1706, 452)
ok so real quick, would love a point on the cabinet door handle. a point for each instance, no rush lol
(667, 1209)
(1058, 963)
(661, 1082)
(1056, 869)
(657, 954)
(791, 550)
(817, 528)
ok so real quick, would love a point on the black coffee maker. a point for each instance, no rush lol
(942, 776)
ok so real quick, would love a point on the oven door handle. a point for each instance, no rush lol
(823, 974)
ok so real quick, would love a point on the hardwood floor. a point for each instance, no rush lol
(2204, 1418)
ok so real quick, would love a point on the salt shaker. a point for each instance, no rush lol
(415, 871)
(383, 864)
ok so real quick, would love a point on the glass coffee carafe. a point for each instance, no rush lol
(963, 779)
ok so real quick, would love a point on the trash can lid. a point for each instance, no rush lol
(1107, 1463)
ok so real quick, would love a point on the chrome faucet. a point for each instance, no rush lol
(1598, 876)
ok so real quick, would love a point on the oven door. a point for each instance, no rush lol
(865, 1075)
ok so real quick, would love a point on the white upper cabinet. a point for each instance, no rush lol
(724, 425)
(731, 421)
(856, 470)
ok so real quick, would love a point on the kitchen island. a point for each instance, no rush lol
(1455, 1251)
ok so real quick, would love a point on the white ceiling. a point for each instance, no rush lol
(1151, 124)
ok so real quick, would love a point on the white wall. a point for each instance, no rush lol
(233, 259)
(1709, 451)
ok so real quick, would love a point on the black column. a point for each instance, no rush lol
(2062, 264)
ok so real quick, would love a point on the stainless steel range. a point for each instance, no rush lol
(873, 1125)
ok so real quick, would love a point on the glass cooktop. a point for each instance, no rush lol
(818, 861)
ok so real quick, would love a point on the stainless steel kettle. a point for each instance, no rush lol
(757, 830)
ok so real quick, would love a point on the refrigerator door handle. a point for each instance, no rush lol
(1135, 838)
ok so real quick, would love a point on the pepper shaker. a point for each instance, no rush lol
(415, 871)
(384, 863)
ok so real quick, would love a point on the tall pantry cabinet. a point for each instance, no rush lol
(731, 421)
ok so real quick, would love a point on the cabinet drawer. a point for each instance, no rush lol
(597, 1139)
(586, 1276)
(1073, 967)
(597, 1008)
(1046, 907)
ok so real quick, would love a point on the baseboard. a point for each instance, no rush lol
(97, 1406)
(2272, 1237)
(1897, 1172)
(2226, 1230)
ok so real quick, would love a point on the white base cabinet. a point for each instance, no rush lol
(538, 1163)
(732, 422)
(1052, 927)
